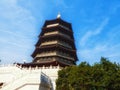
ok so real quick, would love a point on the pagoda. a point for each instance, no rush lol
(54, 50)
(55, 45)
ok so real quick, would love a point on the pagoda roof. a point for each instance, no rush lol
(58, 20)
(52, 47)
(59, 37)
(56, 28)
(56, 47)
(46, 64)
(59, 56)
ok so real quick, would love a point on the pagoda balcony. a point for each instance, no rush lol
(50, 59)
(60, 54)
(57, 24)
(50, 33)
(64, 27)
(56, 32)
(46, 54)
(69, 58)
(65, 44)
(54, 47)
(45, 60)
(57, 36)
(66, 57)
(55, 42)
(52, 25)
(56, 28)
(49, 43)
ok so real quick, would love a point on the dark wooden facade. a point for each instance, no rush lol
(55, 45)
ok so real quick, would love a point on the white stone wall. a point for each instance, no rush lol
(17, 78)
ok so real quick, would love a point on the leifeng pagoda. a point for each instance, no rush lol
(55, 45)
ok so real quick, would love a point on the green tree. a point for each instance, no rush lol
(104, 75)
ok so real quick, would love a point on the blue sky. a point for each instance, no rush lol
(95, 23)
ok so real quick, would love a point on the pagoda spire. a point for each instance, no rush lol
(58, 16)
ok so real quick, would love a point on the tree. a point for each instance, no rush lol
(104, 75)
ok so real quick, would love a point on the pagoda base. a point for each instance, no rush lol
(42, 64)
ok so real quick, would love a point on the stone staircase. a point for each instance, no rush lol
(18, 78)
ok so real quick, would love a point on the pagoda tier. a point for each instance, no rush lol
(57, 27)
(57, 48)
(55, 45)
(60, 36)
(55, 40)
(59, 21)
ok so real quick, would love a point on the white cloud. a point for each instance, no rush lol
(108, 48)
(92, 33)
(17, 26)
(94, 54)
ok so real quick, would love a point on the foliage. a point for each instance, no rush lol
(100, 76)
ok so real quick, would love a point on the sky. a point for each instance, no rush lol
(95, 23)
